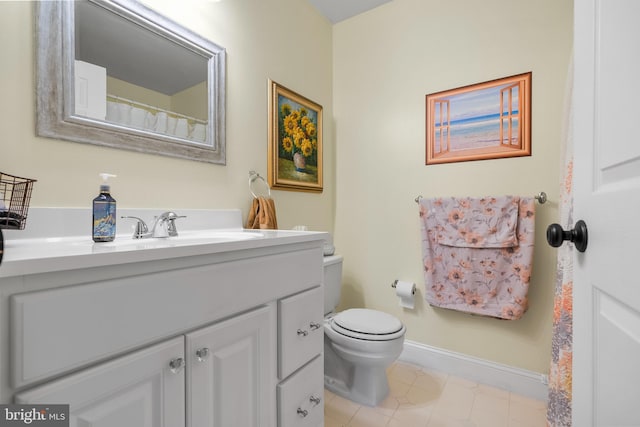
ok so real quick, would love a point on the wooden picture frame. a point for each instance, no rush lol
(487, 120)
(295, 141)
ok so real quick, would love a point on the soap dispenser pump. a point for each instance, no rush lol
(104, 212)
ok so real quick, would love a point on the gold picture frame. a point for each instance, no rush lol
(295, 141)
(487, 120)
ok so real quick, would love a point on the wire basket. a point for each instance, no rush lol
(15, 194)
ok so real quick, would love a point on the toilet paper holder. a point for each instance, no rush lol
(395, 282)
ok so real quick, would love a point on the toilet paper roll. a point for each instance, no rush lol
(406, 291)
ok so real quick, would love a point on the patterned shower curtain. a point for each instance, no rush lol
(560, 374)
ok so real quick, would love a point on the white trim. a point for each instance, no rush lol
(520, 381)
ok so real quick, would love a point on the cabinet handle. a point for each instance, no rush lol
(302, 412)
(176, 365)
(315, 400)
(314, 326)
(302, 333)
(202, 354)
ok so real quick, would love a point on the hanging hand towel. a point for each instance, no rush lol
(262, 214)
(478, 253)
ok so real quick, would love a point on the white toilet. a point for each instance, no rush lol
(359, 344)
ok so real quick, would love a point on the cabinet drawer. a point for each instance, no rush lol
(301, 397)
(300, 330)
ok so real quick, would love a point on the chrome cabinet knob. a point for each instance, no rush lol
(176, 365)
(315, 400)
(302, 333)
(302, 412)
(314, 326)
(202, 354)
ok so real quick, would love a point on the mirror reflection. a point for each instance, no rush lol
(126, 74)
(116, 73)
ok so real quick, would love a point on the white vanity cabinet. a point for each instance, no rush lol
(203, 335)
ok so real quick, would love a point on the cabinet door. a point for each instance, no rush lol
(143, 389)
(231, 372)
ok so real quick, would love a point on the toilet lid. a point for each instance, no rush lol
(367, 324)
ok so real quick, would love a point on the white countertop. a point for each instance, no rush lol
(33, 254)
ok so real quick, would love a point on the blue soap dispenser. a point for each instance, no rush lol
(104, 212)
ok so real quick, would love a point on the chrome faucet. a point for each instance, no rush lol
(163, 226)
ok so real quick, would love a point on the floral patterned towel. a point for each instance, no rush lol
(476, 223)
(478, 254)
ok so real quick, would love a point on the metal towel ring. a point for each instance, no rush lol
(253, 176)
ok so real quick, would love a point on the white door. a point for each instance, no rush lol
(142, 389)
(231, 372)
(606, 375)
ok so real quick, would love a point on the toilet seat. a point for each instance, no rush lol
(366, 324)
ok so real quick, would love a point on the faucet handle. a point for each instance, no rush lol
(141, 230)
(165, 226)
(171, 226)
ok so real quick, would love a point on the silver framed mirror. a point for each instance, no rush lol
(116, 73)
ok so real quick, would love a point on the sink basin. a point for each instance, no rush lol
(217, 235)
(183, 238)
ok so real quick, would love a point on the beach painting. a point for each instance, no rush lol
(487, 120)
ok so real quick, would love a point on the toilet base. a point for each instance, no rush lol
(369, 385)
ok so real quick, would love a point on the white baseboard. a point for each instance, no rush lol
(519, 381)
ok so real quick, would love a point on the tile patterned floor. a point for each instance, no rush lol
(423, 398)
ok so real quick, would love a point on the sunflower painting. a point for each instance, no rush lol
(295, 141)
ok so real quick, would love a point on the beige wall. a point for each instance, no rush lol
(133, 92)
(259, 37)
(192, 101)
(370, 74)
(385, 62)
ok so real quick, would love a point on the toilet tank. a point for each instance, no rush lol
(332, 282)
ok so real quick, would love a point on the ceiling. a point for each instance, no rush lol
(339, 10)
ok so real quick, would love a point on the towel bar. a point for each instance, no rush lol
(541, 197)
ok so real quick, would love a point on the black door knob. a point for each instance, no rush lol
(579, 236)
